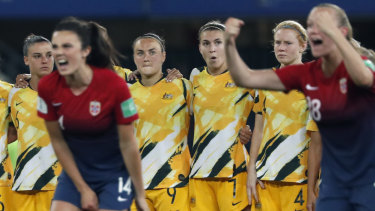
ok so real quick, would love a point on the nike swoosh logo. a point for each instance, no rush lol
(56, 104)
(196, 87)
(234, 204)
(311, 88)
(120, 199)
(18, 103)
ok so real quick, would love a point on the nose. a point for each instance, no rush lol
(212, 48)
(44, 59)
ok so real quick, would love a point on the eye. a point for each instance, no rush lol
(139, 53)
(152, 52)
(37, 56)
(218, 42)
(205, 43)
(277, 42)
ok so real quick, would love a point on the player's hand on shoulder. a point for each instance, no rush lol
(173, 74)
(21, 80)
(134, 75)
(245, 134)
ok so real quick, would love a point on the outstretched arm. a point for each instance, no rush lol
(240, 72)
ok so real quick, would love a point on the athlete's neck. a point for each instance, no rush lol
(80, 79)
(217, 71)
(149, 80)
(330, 63)
(34, 82)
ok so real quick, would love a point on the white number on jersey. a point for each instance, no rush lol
(314, 106)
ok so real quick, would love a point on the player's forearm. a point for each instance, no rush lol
(315, 156)
(132, 159)
(238, 69)
(354, 64)
(256, 140)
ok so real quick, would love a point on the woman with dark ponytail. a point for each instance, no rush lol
(89, 116)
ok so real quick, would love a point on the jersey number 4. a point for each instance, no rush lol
(124, 188)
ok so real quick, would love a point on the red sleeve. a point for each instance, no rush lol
(45, 109)
(292, 75)
(125, 111)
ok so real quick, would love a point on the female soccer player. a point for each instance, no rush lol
(218, 170)
(37, 166)
(162, 127)
(282, 131)
(6, 193)
(339, 88)
(89, 117)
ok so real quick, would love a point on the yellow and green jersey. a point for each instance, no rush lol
(37, 167)
(5, 165)
(122, 72)
(284, 148)
(220, 110)
(162, 130)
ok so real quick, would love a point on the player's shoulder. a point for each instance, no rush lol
(196, 71)
(107, 77)
(121, 70)
(5, 85)
(50, 79)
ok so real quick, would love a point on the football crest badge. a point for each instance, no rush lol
(95, 108)
(343, 85)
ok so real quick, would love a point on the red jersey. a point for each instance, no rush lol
(345, 116)
(88, 121)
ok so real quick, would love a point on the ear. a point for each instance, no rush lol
(303, 47)
(344, 30)
(200, 50)
(26, 60)
(86, 52)
(164, 56)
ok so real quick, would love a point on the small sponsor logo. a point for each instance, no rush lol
(95, 108)
(234, 204)
(311, 88)
(343, 85)
(2, 100)
(56, 104)
(120, 199)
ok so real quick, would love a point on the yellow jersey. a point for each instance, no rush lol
(37, 167)
(5, 165)
(284, 148)
(220, 110)
(162, 130)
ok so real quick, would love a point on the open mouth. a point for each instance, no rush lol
(317, 41)
(62, 62)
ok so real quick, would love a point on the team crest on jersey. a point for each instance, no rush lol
(343, 85)
(167, 96)
(95, 108)
(230, 84)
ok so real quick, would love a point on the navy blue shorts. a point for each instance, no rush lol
(114, 194)
(360, 198)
